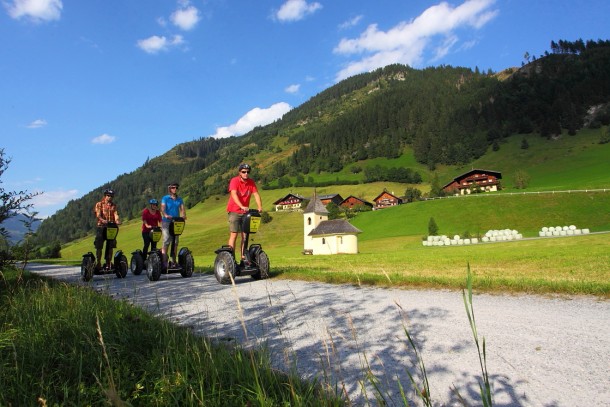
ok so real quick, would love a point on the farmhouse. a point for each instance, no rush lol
(323, 236)
(385, 200)
(352, 202)
(290, 202)
(484, 180)
(326, 199)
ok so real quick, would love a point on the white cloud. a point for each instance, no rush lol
(154, 44)
(36, 10)
(255, 117)
(37, 124)
(103, 139)
(292, 88)
(406, 42)
(185, 18)
(51, 198)
(295, 10)
(350, 23)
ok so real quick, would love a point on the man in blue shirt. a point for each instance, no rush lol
(172, 206)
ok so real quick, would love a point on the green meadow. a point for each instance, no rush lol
(563, 174)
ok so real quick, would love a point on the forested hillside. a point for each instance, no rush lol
(442, 115)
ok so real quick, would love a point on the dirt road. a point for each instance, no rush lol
(541, 351)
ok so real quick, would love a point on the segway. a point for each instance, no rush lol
(137, 263)
(255, 262)
(186, 263)
(119, 265)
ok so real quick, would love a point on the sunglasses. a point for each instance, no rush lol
(173, 187)
(245, 172)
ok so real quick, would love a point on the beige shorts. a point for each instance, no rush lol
(235, 222)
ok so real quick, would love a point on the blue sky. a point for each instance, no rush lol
(89, 89)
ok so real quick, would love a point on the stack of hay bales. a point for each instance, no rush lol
(555, 231)
(501, 235)
(445, 240)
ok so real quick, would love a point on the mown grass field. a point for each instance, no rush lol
(391, 252)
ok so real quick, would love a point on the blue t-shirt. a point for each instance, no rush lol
(172, 206)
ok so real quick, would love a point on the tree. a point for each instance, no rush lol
(524, 144)
(334, 212)
(432, 227)
(522, 179)
(411, 194)
(10, 204)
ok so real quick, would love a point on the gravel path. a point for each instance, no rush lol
(541, 351)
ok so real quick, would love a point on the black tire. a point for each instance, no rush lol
(121, 267)
(137, 264)
(154, 266)
(262, 262)
(189, 265)
(86, 268)
(224, 268)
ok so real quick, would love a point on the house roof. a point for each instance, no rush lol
(357, 199)
(328, 196)
(334, 227)
(497, 174)
(288, 196)
(315, 206)
(385, 192)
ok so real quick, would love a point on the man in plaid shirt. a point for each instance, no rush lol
(105, 211)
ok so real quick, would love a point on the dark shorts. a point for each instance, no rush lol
(98, 243)
(235, 221)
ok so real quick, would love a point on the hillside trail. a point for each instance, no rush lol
(541, 350)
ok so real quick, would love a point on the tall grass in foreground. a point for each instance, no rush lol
(68, 345)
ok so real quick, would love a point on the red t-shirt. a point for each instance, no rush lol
(244, 189)
(153, 219)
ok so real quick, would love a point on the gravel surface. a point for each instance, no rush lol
(541, 351)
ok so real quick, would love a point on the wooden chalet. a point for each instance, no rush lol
(352, 202)
(464, 184)
(386, 200)
(290, 202)
(326, 199)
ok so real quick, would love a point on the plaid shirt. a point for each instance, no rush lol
(106, 211)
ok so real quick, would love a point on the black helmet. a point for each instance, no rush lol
(153, 202)
(244, 166)
(109, 192)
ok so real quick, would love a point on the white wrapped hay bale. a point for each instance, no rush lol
(519, 236)
(570, 232)
(545, 229)
(563, 233)
(466, 241)
(460, 242)
(548, 234)
(454, 242)
(474, 240)
(577, 232)
(424, 242)
(485, 239)
(572, 227)
(585, 231)
(542, 233)
(456, 237)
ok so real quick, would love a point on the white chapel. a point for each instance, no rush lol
(323, 236)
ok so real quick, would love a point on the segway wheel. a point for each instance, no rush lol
(154, 266)
(121, 267)
(137, 264)
(188, 266)
(86, 268)
(224, 268)
(262, 262)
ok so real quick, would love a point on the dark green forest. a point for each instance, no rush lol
(447, 115)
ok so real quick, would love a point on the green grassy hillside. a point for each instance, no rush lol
(391, 250)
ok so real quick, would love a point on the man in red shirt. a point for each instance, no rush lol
(105, 211)
(241, 189)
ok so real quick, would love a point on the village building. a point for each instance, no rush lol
(386, 200)
(323, 236)
(290, 202)
(326, 199)
(352, 202)
(475, 179)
